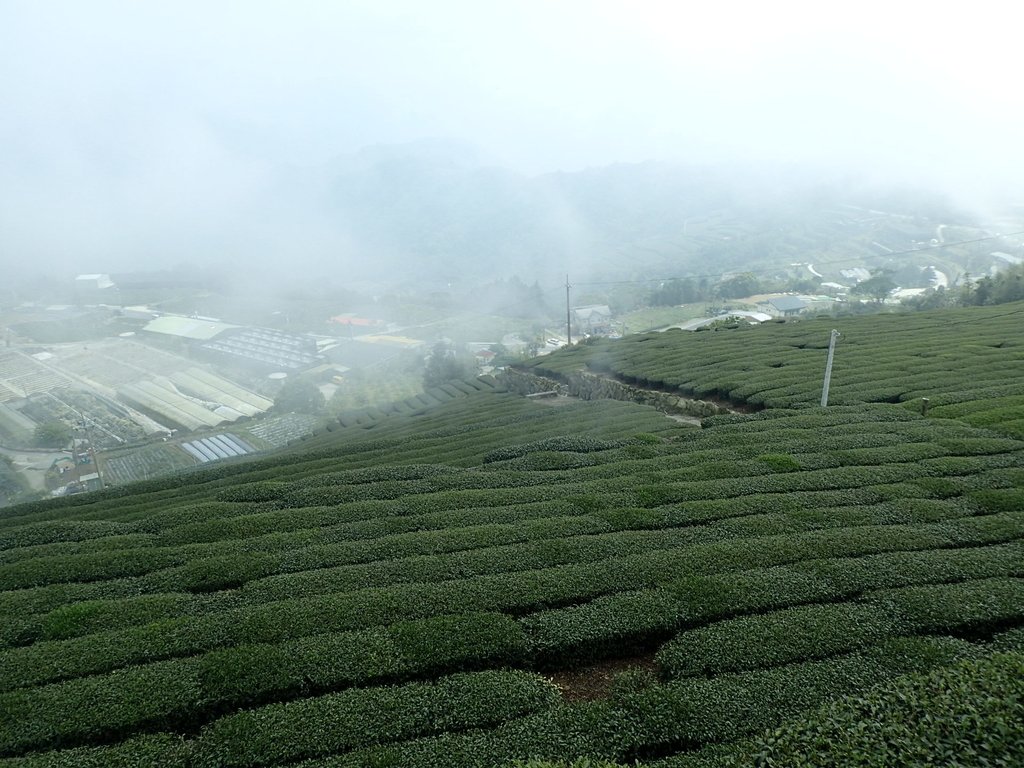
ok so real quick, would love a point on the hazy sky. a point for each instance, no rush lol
(127, 122)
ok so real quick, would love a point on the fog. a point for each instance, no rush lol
(146, 136)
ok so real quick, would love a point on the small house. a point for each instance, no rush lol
(786, 306)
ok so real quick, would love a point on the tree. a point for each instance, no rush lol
(996, 289)
(878, 286)
(53, 434)
(443, 365)
(740, 286)
(299, 396)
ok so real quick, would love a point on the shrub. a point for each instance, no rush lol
(363, 717)
(970, 711)
(780, 637)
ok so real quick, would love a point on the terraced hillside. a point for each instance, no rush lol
(969, 363)
(456, 586)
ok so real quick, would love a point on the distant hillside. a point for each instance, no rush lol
(433, 210)
(480, 578)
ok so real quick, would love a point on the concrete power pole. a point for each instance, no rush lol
(828, 367)
(568, 313)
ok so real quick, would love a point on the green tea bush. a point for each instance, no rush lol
(658, 720)
(613, 625)
(96, 709)
(363, 717)
(160, 750)
(780, 637)
(968, 713)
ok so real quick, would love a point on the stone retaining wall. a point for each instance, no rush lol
(588, 386)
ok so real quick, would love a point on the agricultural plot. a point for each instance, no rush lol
(215, 447)
(109, 424)
(21, 375)
(145, 463)
(111, 363)
(279, 431)
(15, 427)
(162, 397)
(406, 590)
(419, 402)
(969, 363)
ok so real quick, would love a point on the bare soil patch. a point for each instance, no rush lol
(595, 681)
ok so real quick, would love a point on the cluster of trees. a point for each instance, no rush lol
(53, 434)
(1002, 288)
(691, 290)
(998, 289)
(447, 362)
(300, 396)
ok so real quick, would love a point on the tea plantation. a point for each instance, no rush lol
(455, 584)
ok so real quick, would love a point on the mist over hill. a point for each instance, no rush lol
(436, 212)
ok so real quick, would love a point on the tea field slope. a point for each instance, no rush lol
(968, 362)
(430, 588)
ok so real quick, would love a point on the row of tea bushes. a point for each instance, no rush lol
(822, 630)
(652, 719)
(517, 593)
(186, 692)
(641, 619)
(882, 358)
(415, 647)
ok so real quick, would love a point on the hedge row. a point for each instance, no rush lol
(185, 693)
(423, 479)
(822, 630)
(641, 619)
(360, 718)
(712, 596)
(255, 671)
(517, 593)
(250, 568)
(46, 532)
(972, 606)
(374, 523)
(96, 709)
(618, 625)
(111, 602)
(653, 719)
(969, 711)
(505, 559)
(161, 750)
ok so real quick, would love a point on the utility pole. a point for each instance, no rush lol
(568, 313)
(828, 367)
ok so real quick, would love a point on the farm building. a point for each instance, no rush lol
(786, 306)
(93, 289)
(593, 318)
(192, 328)
(262, 348)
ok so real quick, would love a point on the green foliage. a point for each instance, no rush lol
(245, 604)
(1007, 286)
(740, 286)
(161, 750)
(967, 714)
(299, 396)
(53, 434)
(364, 717)
(772, 639)
(446, 364)
(613, 625)
(780, 462)
(877, 287)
